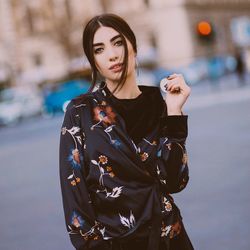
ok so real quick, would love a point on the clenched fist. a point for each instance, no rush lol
(177, 92)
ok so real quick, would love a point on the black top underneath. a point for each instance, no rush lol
(142, 113)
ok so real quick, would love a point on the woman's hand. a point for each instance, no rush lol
(177, 93)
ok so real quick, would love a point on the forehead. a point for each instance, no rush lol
(104, 34)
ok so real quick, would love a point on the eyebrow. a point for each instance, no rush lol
(111, 40)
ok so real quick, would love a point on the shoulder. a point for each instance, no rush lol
(82, 99)
(84, 102)
(79, 102)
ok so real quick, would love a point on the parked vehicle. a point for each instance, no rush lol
(207, 68)
(195, 72)
(17, 103)
(57, 95)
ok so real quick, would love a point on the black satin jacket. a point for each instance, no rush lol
(112, 187)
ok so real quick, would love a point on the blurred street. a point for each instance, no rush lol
(215, 205)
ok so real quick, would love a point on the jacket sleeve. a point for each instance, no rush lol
(83, 229)
(172, 167)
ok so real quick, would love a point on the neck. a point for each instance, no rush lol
(129, 90)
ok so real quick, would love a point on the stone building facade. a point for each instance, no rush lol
(40, 38)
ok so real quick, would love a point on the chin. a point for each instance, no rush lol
(114, 78)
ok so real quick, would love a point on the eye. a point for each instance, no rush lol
(98, 50)
(119, 43)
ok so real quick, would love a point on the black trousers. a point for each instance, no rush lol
(179, 242)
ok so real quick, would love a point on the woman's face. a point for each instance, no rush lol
(108, 50)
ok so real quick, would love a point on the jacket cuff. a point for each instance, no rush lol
(174, 126)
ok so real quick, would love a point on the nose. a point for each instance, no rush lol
(113, 59)
(112, 55)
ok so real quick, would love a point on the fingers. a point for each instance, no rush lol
(173, 86)
(173, 76)
(176, 83)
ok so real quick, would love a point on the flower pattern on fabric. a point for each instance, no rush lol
(165, 230)
(162, 180)
(76, 220)
(74, 156)
(153, 143)
(145, 150)
(115, 193)
(164, 151)
(169, 145)
(115, 142)
(137, 149)
(128, 222)
(185, 158)
(103, 231)
(108, 171)
(184, 180)
(167, 205)
(103, 159)
(144, 156)
(103, 113)
(73, 183)
(175, 230)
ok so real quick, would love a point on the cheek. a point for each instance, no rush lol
(99, 63)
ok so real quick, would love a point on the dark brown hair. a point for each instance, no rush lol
(118, 24)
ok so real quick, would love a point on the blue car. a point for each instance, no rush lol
(56, 98)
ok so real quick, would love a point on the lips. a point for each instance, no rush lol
(116, 66)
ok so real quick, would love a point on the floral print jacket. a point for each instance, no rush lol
(113, 188)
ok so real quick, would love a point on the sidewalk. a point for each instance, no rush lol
(225, 90)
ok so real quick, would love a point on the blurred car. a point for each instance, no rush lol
(217, 67)
(208, 68)
(195, 72)
(17, 103)
(230, 63)
(57, 96)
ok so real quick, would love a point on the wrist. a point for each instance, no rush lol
(174, 112)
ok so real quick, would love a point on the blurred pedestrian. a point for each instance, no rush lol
(240, 67)
(122, 151)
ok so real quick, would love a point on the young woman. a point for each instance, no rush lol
(122, 151)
